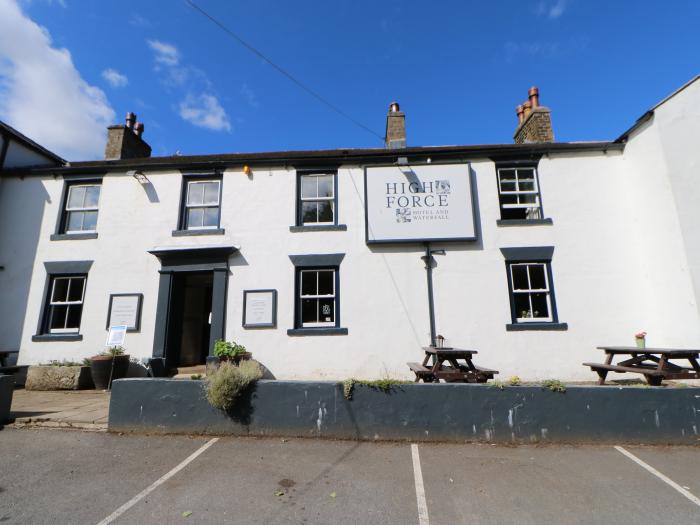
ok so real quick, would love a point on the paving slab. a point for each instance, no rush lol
(71, 408)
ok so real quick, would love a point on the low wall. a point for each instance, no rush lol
(417, 412)
(7, 385)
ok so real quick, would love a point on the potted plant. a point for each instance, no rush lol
(640, 339)
(231, 351)
(108, 366)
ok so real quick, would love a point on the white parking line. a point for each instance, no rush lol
(420, 490)
(133, 501)
(659, 475)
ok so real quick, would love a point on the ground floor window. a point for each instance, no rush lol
(530, 292)
(64, 304)
(317, 305)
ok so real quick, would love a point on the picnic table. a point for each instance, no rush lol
(452, 365)
(654, 363)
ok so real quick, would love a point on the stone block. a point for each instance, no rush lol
(58, 378)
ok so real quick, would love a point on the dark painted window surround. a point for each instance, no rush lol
(539, 254)
(299, 226)
(522, 222)
(182, 230)
(320, 261)
(57, 269)
(59, 234)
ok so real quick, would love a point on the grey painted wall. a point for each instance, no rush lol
(420, 412)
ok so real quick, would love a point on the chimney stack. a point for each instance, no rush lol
(125, 141)
(534, 121)
(395, 136)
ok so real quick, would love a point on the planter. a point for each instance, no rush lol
(236, 360)
(58, 378)
(101, 370)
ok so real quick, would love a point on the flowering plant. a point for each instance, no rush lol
(640, 335)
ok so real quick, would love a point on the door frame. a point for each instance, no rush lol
(176, 260)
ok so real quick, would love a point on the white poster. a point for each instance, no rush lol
(260, 308)
(422, 203)
(116, 336)
(124, 309)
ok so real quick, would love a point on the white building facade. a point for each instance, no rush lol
(556, 248)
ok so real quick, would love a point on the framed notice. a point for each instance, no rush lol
(125, 310)
(259, 308)
(419, 203)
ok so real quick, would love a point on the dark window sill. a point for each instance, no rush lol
(522, 327)
(188, 233)
(323, 228)
(317, 331)
(73, 236)
(523, 222)
(57, 337)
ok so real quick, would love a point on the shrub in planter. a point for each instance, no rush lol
(226, 384)
(108, 366)
(231, 351)
(58, 375)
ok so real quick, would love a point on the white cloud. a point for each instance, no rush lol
(205, 111)
(43, 95)
(249, 95)
(552, 9)
(165, 54)
(115, 78)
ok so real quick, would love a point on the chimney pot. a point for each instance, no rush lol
(534, 96)
(130, 120)
(534, 121)
(395, 136)
(139, 128)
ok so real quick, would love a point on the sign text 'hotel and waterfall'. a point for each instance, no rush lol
(422, 203)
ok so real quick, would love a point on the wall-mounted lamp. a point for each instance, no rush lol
(139, 176)
(247, 170)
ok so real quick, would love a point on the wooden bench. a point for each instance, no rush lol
(652, 375)
(421, 371)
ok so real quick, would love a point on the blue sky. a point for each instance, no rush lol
(457, 68)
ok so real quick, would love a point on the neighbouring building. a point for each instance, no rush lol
(316, 260)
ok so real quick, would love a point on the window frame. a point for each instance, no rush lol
(316, 297)
(49, 303)
(298, 298)
(183, 225)
(62, 226)
(299, 200)
(553, 318)
(517, 166)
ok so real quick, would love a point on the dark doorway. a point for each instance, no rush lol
(189, 323)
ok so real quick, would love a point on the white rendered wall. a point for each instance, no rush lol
(617, 268)
(19, 155)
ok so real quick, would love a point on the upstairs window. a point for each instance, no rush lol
(81, 208)
(64, 307)
(317, 199)
(519, 193)
(317, 297)
(202, 204)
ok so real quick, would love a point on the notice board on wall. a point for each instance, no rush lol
(419, 203)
